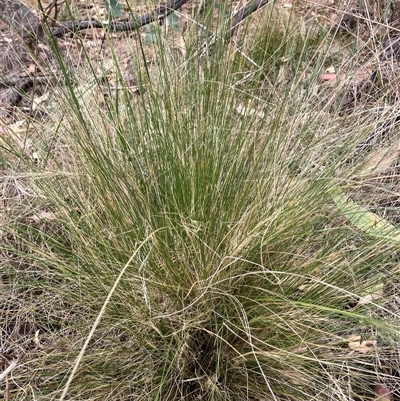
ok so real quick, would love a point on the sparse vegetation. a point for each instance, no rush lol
(193, 237)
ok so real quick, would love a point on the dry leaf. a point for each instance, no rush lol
(18, 127)
(353, 337)
(382, 393)
(38, 100)
(43, 215)
(381, 159)
(375, 294)
(32, 68)
(364, 347)
(307, 287)
(365, 220)
(361, 75)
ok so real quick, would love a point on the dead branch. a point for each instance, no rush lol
(159, 14)
(28, 27)
(248, 9)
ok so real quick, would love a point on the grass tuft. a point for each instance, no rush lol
(192, 247)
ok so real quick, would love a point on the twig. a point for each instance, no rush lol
(52, 6)
(10, 368)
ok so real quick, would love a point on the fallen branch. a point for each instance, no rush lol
(159, 14)
(248, 9)
(14, 90)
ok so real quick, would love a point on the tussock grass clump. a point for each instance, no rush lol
(192, 248)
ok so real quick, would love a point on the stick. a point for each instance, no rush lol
(10, 368)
